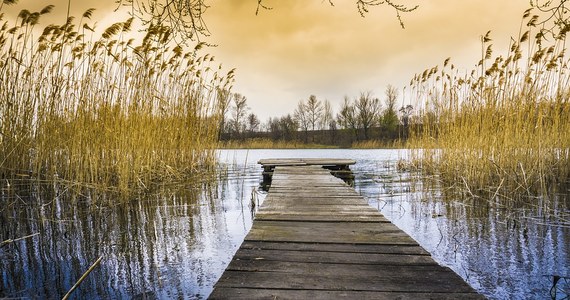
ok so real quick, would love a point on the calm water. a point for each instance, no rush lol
(175, 243)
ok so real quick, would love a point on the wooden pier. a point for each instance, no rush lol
(338, 167)
(315, 237)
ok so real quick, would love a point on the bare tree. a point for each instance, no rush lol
(390, 116)
(327, 115)
(252, 123)
(239, 111)
(302, 118)
(288, 127)
(347, 118)
(273, 128)
(367, 112)
(283, 128)
(314, 110)
(223, 101)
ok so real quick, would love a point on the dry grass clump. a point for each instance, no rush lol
(112, 112)
(504, 128)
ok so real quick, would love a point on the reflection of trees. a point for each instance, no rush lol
(165, 245)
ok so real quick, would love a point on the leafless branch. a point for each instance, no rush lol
(186, 17)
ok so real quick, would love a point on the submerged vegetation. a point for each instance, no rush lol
(112, 112)
(502, 130)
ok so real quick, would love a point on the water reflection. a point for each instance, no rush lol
(176, 242)
(172, 244)
(505, 252)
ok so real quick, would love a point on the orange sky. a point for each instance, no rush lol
(304, 47)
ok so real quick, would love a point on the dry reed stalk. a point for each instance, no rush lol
(105, 112)
(9, 241)
(80, 280)
(507, 121)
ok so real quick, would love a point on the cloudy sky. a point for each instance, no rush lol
(304, 47)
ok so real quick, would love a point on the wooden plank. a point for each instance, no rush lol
(306, 161)
(317, 205)
(370, 260)
(402, 271)
(253, 294)
(430, 281)
(346, 200)
(302, 216)
(307, 193)
(329, 161)
(360, 248)
(324, 232)
(321, 208)
(281, 162)
(294, 185)
(315, 228)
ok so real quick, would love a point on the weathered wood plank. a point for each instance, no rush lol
(272, 259)
(350, 201)
(321, 208)
(350, 248)
(308, 194)
(306, 161)
(316, 227)
(254, 294)
(352, 233)
(302, 216)
(432, 281)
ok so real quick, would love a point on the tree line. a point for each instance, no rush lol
(313, 120)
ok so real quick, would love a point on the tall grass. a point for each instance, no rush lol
(502, 129)
(108, 112)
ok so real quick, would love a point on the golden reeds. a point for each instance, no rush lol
(503, 128)
(110, 112)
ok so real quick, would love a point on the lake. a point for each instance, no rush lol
(176, 242)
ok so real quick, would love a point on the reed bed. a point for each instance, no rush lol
(108, 112)
(503, 129)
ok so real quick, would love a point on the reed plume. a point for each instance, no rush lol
(504, 127)
(113, 113)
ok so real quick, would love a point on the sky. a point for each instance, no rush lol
(308, 47)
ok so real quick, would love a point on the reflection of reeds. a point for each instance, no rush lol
(105, 112)
(505, 127)
(138, 240)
